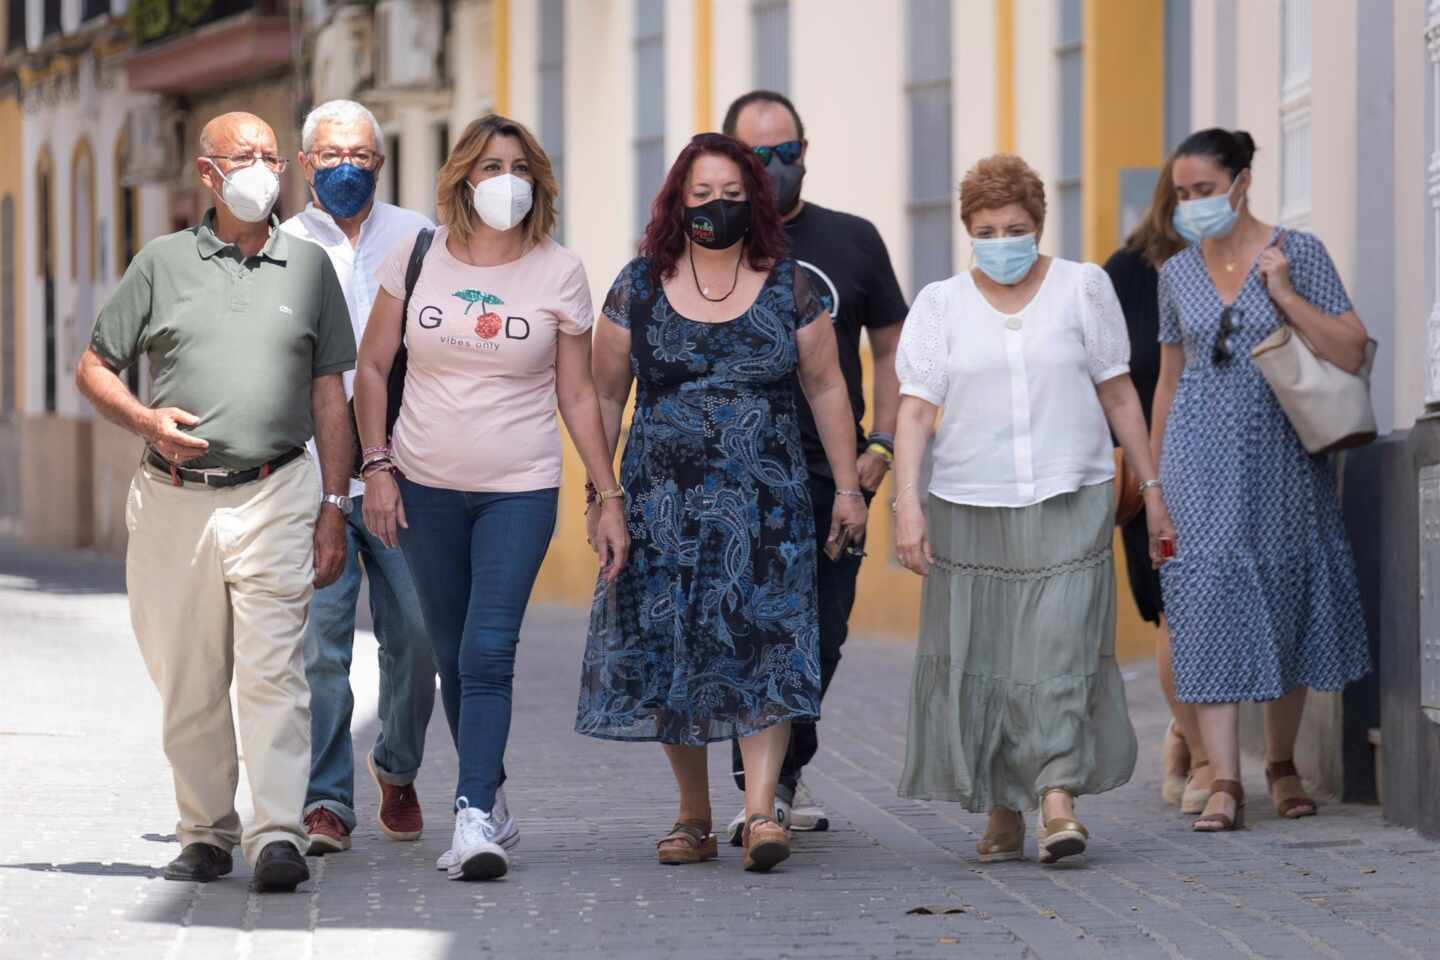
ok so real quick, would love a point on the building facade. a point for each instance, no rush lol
(899, 97)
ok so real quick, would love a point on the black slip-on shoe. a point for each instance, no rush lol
(199, 863)
(280, 868)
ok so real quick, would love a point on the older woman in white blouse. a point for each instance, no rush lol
(1016, 700)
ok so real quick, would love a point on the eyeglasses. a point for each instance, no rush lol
(241, 160)
(788, 152)
(1224, 349)
(362, 158)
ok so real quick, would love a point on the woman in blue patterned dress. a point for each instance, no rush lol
(1262, 599)
(711, 632)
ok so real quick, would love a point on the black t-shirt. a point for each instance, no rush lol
(850, 268)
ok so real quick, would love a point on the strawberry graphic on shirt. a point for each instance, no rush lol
(487, 325)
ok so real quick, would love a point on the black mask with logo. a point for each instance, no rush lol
(785, 180)
(719, 224)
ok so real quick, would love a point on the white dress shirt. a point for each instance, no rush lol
(1022, 421)
(356, 265)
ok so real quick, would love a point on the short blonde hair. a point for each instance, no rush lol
(454, 202)
(998, 181)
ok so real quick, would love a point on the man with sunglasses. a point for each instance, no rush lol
(850, 267)
(247, 337)
(342, 153)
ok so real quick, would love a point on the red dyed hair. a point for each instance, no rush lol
(664, 241)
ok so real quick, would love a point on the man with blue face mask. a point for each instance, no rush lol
(341, 155)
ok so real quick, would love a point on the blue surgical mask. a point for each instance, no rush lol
(344, 189)
(1006, 260)
(1205, 219)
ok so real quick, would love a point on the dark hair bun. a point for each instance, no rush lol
(1244, 147)
(1232, 149)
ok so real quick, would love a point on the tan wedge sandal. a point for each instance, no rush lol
(1193, 800)
(1059, 837)
(1174, 752)
(766, 843)
(998, 847)
(689, 842)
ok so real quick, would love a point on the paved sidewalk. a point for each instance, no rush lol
(86, 819)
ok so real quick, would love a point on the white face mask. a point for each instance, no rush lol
(503, 201)
(249, 192)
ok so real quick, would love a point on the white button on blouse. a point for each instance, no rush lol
(1021, 422)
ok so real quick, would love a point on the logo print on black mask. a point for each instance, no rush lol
(702, 230)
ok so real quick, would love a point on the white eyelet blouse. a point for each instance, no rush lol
(1022, 421)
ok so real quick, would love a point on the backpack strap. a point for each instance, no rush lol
(412, 272)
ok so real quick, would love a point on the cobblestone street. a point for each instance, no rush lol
(87, 817)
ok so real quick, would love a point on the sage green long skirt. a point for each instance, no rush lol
(1016, 689)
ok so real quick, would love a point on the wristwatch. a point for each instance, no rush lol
(344, 504)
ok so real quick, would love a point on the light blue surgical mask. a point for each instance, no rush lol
(1006, 260)
(1208, 218)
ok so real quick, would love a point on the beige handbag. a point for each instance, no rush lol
(1329, 408)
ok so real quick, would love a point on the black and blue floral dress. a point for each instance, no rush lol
(711, 630)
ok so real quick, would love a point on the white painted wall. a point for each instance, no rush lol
(95, 110)
(733, 74)
(599, 111)
(1412, 211)
(855, 118)
(973, 45)
(1037, 103)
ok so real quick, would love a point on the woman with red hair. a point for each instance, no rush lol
(711, 632)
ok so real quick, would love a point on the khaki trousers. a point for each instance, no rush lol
(220, 584)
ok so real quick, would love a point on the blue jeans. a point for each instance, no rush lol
(475, 557)
(407, 673)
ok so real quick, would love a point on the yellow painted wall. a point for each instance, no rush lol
(1124, 108)
(1123, 127)
(12, 184)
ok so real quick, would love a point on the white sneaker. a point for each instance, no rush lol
(508, 833)
(476, 854)
(805, 813)
(736, 830)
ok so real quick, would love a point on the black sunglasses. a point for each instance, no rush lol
(1224, 349)
(788, 152)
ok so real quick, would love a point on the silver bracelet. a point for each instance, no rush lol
(850, 493)
(1148, 484)
(895, 503)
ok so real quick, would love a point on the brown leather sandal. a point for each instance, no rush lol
(689, 842)
(766, 843)
(1219, 822)
(1291, 808)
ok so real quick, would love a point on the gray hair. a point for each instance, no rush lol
(339, 111)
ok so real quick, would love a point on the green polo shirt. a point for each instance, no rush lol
(235, 341)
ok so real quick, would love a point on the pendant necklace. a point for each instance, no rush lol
(704, 290)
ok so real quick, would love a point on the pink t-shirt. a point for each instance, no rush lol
(479, 407)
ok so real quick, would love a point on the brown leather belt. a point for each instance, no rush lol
(220, 478)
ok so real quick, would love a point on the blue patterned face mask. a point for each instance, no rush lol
(1206, 218)
(1006, 260)
(344, 189)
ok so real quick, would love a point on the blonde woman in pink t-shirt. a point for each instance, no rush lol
(498, 336)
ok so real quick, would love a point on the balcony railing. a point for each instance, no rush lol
(154, 21)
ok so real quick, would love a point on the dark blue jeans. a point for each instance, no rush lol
(407, 672)
(474, 558)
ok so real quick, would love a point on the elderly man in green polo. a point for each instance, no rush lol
(247, 335)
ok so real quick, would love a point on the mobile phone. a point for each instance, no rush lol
(1167, 548)
(836, 549)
